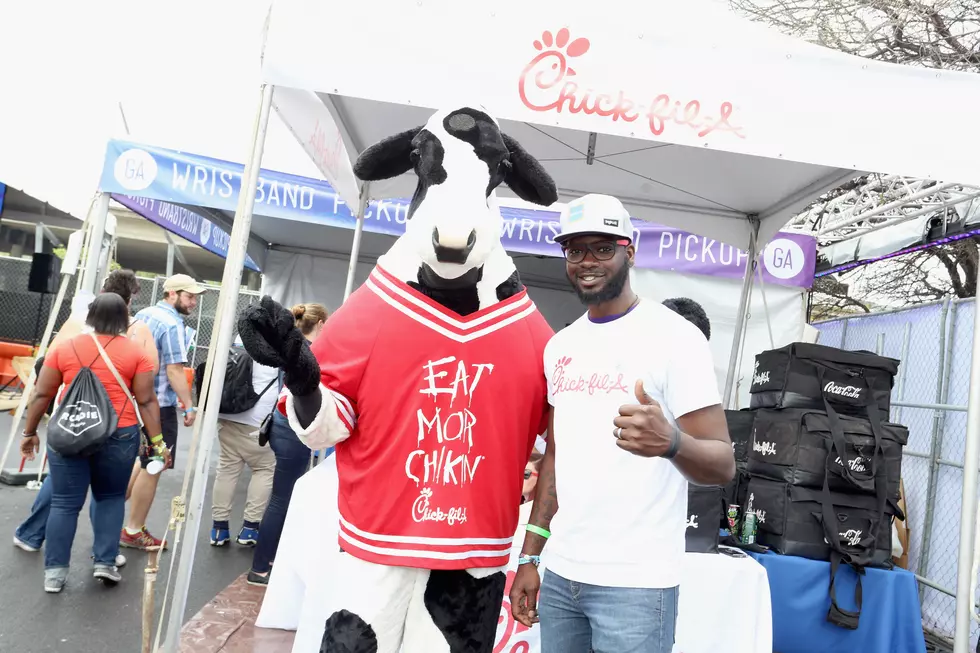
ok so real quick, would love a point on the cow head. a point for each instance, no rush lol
(460, 157)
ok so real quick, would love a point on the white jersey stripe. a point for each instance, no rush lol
(378, 277)
(432, 541)
(418, 553)
(442, 330)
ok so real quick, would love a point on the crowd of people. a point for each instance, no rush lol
(610, 584)
(144, 376)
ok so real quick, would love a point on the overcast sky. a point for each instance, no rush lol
(186, 73)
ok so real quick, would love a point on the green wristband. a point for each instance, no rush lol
(537, 530)
(156, 438)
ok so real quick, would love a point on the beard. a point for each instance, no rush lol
(609, 291)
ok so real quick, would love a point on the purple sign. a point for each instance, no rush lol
(788, 260)
(186, 224)
(165, 176)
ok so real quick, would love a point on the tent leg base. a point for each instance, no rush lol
(11, 477)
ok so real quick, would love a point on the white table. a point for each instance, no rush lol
(724, 601)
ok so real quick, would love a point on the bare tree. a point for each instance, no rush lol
(931, 33)
(942, 34)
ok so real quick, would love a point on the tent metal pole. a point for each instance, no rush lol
(170, 258)
(971, 467)
(742, 315)
(227, 310)
(355, 250)
(94, 252)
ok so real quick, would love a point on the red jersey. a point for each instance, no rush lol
(443, 412)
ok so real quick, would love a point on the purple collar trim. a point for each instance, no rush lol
(611, 318)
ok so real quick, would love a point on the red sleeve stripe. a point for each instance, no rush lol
(344, 410)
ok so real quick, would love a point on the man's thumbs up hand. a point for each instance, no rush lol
(641, 428)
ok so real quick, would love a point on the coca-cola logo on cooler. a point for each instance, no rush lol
(849, 391)
(549, 83)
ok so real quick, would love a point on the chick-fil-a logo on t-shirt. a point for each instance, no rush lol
(592, 383)
(545, 86)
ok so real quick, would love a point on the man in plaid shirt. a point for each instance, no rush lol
(166, 322)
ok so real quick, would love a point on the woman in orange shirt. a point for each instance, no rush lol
(29, 535)
(108, 470)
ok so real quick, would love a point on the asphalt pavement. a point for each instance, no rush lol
(87, 616)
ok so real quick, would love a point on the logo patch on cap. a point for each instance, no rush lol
(576, 213)
(611, 222)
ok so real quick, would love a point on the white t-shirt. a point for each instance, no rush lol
(261, 376)
(621, 518)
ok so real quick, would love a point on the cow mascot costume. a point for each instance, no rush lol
(429, 380)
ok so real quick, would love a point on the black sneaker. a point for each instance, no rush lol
(257, 580)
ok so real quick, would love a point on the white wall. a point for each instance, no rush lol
(299, 278)
(720, 297)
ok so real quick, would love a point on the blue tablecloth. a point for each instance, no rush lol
(891, 620)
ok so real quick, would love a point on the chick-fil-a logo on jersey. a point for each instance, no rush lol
(545, 85)
(596, 383)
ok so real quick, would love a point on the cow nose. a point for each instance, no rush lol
(451, 254)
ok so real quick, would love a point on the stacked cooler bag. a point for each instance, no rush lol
(823, 465)
(707, 506)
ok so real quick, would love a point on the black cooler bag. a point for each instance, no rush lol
(705, 513)
(803, 375)
(791, 522)
(797, 521)
(740, 430)
(740, 424)
(793, 445)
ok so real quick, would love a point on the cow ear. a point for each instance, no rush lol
(528, 178)
(388, 158)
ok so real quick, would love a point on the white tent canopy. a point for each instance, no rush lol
(693, 118)
(685, 62)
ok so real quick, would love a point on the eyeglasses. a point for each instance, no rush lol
(601, 250)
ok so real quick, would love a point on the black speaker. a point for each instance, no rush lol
(44, 273)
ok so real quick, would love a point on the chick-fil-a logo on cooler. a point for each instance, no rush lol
(548, 83)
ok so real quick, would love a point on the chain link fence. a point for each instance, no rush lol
(24, 314)
(934, 343)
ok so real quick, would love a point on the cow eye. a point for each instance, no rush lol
(504, 167)
(414, 156)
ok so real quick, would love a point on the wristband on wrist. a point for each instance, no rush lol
(157, 438)
(525, 559)
(537, 530)
(675, 444)
(192, 409)
(30, 435)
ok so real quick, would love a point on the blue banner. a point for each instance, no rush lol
(186, 224)
(193, 180)
(3, 191)
(157, 173)
(167, 176)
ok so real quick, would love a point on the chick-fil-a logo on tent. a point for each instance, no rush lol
(545, 86)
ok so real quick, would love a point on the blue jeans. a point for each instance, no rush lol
(107, 472)
(292, 461)
(31, 530)
(579, 618)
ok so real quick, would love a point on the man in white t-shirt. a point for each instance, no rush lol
(238, 435)
(636, 415)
